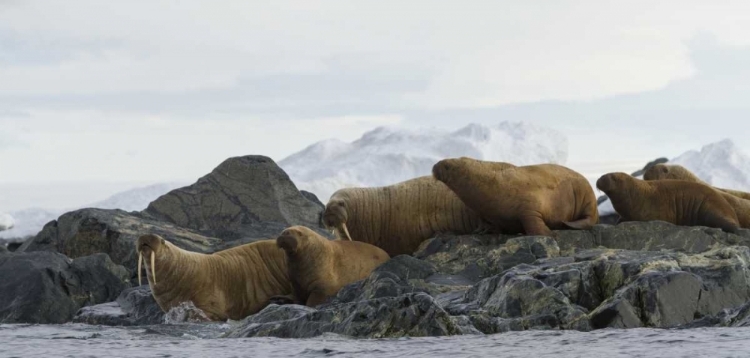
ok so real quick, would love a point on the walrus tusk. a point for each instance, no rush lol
(153, 266)
(347, 232)
(140, 266)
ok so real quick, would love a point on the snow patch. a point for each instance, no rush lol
(6, 222)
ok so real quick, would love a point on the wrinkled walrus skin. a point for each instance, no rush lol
(678, 172)
(229, 284)
(319, 268)
(675, 201)
(530, 199)
(397, 218)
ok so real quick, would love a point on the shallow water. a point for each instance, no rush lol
(75, 340)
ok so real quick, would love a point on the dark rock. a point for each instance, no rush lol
(134, 307)
(3, 250)
(101, 278)
(46, 287)
(244, 197)
(410, 315)
(140, 306)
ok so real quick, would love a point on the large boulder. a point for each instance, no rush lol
(47, 287)
(244, 197)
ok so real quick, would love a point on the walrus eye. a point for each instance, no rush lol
(664, 170)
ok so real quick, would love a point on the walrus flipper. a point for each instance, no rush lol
(581, 224)
(535, 226)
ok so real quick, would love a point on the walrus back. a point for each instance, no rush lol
(397, 218)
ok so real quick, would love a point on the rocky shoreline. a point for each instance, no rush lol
(81, 268)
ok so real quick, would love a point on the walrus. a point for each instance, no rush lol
(676, 201)
(229, 284)
(532, 199)
(678, 172)
(319, 268)
(397, 218)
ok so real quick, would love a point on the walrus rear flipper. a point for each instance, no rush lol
(581, 224)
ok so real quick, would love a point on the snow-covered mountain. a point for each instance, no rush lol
(30, 221)
(6, 222)
(388, 155)
(720, 164)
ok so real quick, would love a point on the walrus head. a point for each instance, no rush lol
(609, 182)
(295, 238)
(151, 246)
(657, 172)
(335, 217)
(447, 169)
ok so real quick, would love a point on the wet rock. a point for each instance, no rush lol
(412, 315)
(140, 306)
(185, 312)
(134, 307)
(46, 287)
(244, 197)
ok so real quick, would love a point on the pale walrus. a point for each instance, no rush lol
(676, 201)
(397, 218)
(233, 283)
(319, 268)
(530, 199)
(678, 172)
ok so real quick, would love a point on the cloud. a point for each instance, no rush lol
(338, 58)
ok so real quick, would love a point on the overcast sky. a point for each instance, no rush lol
(104, 95)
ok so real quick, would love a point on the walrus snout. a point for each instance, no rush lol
(443, 169)
(287, 243)
(148, 245)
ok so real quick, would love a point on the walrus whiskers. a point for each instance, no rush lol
(153, 266)
(140, 267)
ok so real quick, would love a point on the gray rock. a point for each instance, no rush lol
(114, 232)
(3, 250)
(244, 197)
(630, 275)
(134, 307)
(412, 315)
(46, 287)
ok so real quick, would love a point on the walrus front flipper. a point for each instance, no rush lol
(535, 226)
(283, 300)
(316, 298)
(581, 224)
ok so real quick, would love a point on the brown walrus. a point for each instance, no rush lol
(233, 283)
(676, 201)
(397, 218)
(678, 172)
(319, 268)
(530, 199)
